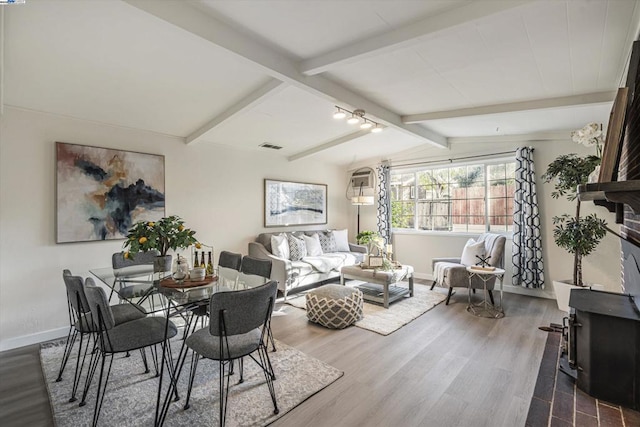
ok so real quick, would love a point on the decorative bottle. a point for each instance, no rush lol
(195, 259)
(209, 265)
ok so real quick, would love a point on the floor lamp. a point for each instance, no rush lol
(361, 200)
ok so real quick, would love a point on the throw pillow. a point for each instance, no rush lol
(280, 246)
(342, 240)
(327, 241)
(313, 245)
(471, 249)
(297, 247)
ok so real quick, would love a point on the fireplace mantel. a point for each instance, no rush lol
(627, 192)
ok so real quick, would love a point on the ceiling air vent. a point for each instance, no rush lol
(271, 146)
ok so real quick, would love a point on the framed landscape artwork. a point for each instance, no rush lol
(294, 203)
(101, 192)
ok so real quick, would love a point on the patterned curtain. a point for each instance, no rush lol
(528, 268)
(384, 201)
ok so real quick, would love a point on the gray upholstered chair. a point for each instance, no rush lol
(260, 269)
(133, 275)
(257, 266)
(237, 328)
(81, 324)
(230, 260)
(450, 273)
(228, 269)
(119, 338)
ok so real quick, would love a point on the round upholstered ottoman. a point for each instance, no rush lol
(334, 306)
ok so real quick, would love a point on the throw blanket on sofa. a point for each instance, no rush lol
(330, 261)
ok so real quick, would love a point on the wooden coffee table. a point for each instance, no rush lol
(380, 287)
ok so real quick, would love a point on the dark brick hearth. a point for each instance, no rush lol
(557, 402)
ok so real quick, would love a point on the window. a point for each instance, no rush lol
(459, 198)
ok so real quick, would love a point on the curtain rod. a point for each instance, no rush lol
(458, 158)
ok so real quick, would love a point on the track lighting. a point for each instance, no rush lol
(339, 114)
(357, 116)
(366, 124)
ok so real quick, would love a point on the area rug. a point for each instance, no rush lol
(386, 321)
(131, 394)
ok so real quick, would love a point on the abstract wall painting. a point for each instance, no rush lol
(294, 203)
(101, 192)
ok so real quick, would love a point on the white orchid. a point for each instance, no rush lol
(589, 136)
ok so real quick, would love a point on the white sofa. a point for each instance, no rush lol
(309, 270)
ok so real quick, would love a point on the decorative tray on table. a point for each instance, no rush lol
(187, 283)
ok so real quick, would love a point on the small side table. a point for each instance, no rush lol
(484, 308)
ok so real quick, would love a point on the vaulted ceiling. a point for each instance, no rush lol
(242, 73)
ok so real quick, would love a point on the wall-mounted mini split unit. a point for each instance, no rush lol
(362, 179)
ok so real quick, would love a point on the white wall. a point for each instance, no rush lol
(417, 249)
(217, 190)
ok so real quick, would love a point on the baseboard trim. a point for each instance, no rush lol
(25, 340)
(538, 293)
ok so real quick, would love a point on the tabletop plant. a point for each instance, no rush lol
(577, 235)
(167, 233)
(365, 236)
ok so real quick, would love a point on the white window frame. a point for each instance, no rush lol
(485, 163)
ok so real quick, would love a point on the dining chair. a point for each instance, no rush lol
(134, 276)
(113, 339)
(81, 324)
(256, 272)
(228, 268)
(251, 266)
(237, 328)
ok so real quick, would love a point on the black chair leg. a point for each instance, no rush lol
(224, 393)
(101, 390)
(192, 375)
(241, 363)
(270, 337)
(93, 365)
(79, 367)
(143, 353)
(71, 340)
(269, 376)
(449, 295)
(491, 297)
(433, 285)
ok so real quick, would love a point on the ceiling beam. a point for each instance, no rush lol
(536, 104)
(329, 144)
(195, 20)
(406, 35)
(557, 135)
(1, 61)
(254, 98)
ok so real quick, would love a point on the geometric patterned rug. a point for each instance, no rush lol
(130, 399)
(385, 321)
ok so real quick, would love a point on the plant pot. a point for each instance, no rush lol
(162, 264)
(562, 290)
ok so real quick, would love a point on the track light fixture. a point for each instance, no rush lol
(357, 116)
(339, 114)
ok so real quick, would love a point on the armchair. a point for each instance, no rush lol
(451, 273)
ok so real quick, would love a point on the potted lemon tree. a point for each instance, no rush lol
(579, 235)
(167, 233)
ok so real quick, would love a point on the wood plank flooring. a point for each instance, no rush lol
(446, 368)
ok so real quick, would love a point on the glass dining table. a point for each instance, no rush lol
(186, 301)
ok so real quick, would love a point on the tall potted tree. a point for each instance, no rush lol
(578, 235)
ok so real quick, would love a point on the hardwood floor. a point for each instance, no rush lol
(446, 368)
